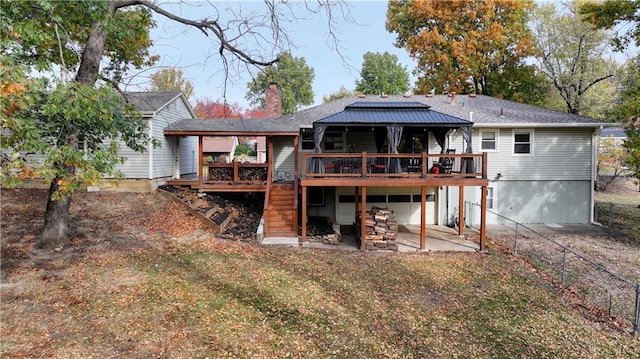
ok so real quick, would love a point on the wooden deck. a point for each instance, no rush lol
(363, 169)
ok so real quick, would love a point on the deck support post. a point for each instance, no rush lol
(363, 216)
(483, 216)
(304, 214)
(200, 162)
(423, 219)
(461, 210)
(357, 199)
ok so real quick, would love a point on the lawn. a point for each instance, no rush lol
(170, 289)
(619, 207)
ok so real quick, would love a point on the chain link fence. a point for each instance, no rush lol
(607, 295)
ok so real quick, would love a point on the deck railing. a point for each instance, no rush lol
(386, 165)
(236, 172)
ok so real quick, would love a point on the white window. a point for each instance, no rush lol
(490, 198)
(523, 142)
(489, 141)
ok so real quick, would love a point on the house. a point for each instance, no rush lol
(175, 157)
(428, 158)
(219, 149)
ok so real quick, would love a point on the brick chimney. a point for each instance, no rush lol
(272, 101)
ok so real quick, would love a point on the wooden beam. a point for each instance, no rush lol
(483, 216)
(357, 199)
(363, 216)
(304, 214)
(296, 182)
(394, 182)
(423, 219)
(461, 210)
(200, 161)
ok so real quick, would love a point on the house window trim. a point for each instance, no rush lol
(496, 140)
(531, 141)
(491, 189)
(302, 140)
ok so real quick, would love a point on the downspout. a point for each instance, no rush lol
(151, 147)
(594, 173)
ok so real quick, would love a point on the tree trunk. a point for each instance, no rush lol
(56, 221)
(55, 233)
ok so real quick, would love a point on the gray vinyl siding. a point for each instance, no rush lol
(283, 157)
(163, 160)
(558, 154)
(136, 165)
(545, 201)
(188, 155)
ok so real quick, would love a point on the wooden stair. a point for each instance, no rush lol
(281, 218)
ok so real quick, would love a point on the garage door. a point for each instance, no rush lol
(404, 201)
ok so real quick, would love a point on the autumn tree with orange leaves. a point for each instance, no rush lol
(458, 44)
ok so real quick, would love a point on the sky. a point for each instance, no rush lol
(189, 49)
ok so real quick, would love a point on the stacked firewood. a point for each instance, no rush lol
(381, 229)
(220, 173)
(252, 174)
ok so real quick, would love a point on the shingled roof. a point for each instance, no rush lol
(487, 112)
(151, 101)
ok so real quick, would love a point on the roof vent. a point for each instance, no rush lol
(472, 94)
(384, 95)
(429, 95)
(407, 95)
(362, 95)
(501, 112)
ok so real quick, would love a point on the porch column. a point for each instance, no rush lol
(363, 216)
(296, 181)
(461, 210)
(483, 216)
(176, 152)
(200, 162)
(357, 199)
(423, 220)
(304, 214)
(270, 160)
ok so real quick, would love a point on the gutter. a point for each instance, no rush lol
(594, 173)
(542, 125)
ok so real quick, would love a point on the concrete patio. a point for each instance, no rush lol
(439, 238)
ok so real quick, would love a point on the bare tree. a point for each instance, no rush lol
(571, 53)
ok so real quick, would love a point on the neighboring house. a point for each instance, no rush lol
(175, 156)
(219, 149)
(426, 157)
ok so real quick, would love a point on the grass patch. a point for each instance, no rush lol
(197, 300)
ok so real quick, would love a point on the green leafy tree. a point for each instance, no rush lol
(457, 43)
(382, 74)
(170, 79)
(628, 112)
(87, 42)
(612, 161)
(244, 149)
(611, 14)
(521, 83)
(294, 78)
(341, 93)
(571, 53)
